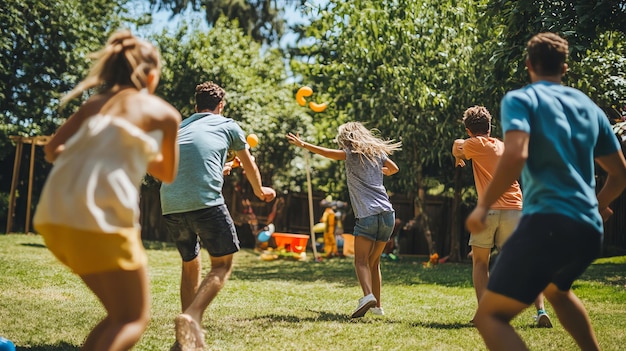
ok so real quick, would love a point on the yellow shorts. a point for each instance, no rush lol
(86, 252)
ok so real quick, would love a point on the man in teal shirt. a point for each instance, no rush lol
(194, 209)
(553, 134)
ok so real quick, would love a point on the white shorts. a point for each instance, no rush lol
(500, 225)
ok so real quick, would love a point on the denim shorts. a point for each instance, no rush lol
(376, 227)
(545, 248)
(212, 227)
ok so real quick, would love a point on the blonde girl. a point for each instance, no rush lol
(88, 211)
(367, 160)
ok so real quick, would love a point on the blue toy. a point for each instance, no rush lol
(6, 345)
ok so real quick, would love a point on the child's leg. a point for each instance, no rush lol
(480, 269)
(126, 298)
(374, 264)
(492, 319)
(573, 316)
(363, 247)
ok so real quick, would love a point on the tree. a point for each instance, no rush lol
(256, 93)
(257, 97)
(601, 73)
(42, 55)
(580, 21)
(406, 68)
(259, 19)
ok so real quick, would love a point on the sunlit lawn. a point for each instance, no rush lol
(289, 305)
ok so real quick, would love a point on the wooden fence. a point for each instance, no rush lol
(294, 218)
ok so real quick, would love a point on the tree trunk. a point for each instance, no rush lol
(455, 244)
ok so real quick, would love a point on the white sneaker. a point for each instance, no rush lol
(543, 321)
(365, 303)
(377, 311)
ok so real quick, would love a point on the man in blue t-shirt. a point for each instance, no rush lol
(194, 210)
(552, 136)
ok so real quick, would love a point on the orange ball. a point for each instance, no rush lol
(252, 140)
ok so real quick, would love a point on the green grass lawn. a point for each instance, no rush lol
(289, 305)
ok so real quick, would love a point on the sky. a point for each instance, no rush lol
(162, 20)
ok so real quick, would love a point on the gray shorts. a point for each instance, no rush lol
(213, 227)
(376, 227)
(500, 226)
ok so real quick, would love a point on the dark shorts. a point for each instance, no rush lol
(213, 227)
(545, 248)
(377, 227)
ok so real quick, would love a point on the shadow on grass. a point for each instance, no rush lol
(341, 271)
(435, 325)
(41, 246)
(322, 316)
(606, 273)
(344, 318)
(63, 346)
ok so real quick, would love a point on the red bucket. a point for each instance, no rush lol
(291, 242)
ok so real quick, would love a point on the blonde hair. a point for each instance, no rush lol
(125, 60)
(360, 140)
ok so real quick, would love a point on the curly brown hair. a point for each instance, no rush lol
(477, 119)
(208, 96)
(547, 52)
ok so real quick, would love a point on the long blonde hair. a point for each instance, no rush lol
(125, 60)
(360, 140)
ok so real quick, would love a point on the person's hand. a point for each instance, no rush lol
(475, 222)
(386, 171)
(606, 213)
(267, 194)
(457, 152)
(228, 166)
(295, 139)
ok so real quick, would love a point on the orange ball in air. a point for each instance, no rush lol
(252, 140)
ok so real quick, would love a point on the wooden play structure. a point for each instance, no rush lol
(19, 146)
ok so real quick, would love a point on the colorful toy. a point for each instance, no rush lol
(6, 345)
(266, 233)
(302, 93)
(306, 92)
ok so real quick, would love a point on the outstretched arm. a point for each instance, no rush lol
(333, 154)
(264, 193)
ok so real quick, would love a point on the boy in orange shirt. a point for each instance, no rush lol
(505, 213)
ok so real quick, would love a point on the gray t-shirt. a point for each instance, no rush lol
(204, 140)
(365, 185)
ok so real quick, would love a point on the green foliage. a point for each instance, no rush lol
(43, 50)
(404, 67)
(256, 93)
(582, 22)
(43, 55)
(602, 73)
